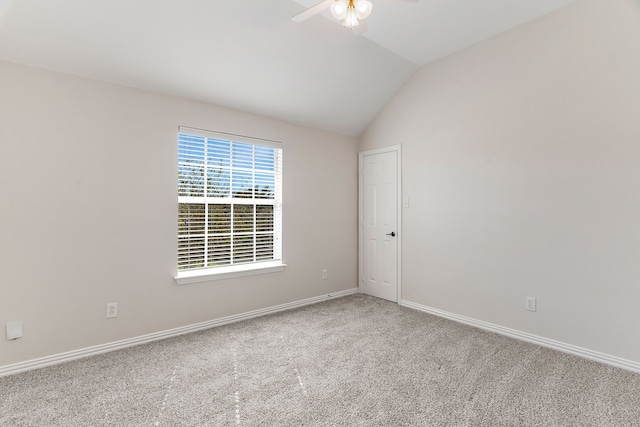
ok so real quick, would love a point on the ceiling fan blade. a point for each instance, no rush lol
(314, 10)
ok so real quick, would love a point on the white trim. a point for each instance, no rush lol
(118, 345)
(218, 273)
(524, 336)
(398, 150)
(229, 137)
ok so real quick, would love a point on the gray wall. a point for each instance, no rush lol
(521, 161)
(88, 180)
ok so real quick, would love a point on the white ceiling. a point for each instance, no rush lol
(249, 55)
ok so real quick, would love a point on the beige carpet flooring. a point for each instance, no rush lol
(353, 361)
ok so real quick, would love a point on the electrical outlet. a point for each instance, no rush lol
(530, 304)
(112, 310)
(324, 274)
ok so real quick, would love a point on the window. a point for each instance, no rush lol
(229, 205)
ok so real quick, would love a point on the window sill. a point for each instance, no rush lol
(219, 273)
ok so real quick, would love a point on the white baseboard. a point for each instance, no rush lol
(117, 345)
(523, 336)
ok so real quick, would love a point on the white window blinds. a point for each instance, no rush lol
(229, 200)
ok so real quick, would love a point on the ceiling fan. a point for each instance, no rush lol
(350, 12)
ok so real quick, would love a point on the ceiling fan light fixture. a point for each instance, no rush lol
(363, 8)
(351, 20)
(339, 9)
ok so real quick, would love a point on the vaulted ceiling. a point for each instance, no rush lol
(249, 55)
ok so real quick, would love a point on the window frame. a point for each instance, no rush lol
(196, 275)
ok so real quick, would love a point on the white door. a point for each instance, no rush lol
(379, 226)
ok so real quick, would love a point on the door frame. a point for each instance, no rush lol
(361, 155)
